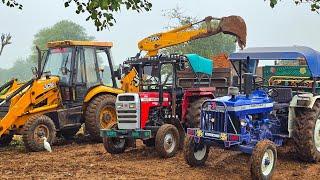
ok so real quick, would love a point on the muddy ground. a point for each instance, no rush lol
(81, 159)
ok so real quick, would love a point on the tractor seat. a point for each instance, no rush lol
(282, 97)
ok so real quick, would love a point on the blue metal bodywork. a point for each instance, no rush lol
(311, 56)
(241, 120)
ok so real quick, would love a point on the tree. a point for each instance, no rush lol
(100, 11)
(314, 4)
(207, 47)
(5, 40)
(63, 30)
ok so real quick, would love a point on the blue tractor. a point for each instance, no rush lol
(256, 118)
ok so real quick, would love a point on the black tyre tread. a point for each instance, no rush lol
(28, 128)
(6, 139)
(303, 133)
(194, 112)
(159, 141)
(188, 153)
(256, 159)
(92, 122)
(110, 148)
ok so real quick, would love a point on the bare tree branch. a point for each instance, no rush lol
(5, 40)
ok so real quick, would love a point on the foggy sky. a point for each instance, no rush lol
(286, 24)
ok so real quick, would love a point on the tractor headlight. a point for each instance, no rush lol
(243, 122)
(119, 105)
(132, 105)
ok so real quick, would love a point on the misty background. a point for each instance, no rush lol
(286, 24)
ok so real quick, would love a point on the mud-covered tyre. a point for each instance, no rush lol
(114, 145)
(6, 139)
(306, 133)
(35, 128)
(100, 114)
(195, 154)
(167, 141)
(263, 160)
(149, 142)
(194, 112)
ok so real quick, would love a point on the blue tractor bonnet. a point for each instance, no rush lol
(311, 56)
(200, 64)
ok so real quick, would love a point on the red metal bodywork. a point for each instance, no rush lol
(151, 99)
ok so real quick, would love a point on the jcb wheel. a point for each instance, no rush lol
(35, 129)
(167, 141)
(100, 114)
(263, 160)
(6, 139)
(194, 112)
(306, 133)
(195, 154)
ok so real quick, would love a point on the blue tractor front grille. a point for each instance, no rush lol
(215, 117)
(213, 121)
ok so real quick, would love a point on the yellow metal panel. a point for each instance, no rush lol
(66, 43)
(101, 89)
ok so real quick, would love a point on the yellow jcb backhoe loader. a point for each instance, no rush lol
(233, 25)
(66, 91)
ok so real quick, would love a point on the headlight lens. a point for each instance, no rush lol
(243, 122)
(119, 105)
(132, 105)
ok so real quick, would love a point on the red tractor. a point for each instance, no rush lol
(172, 89)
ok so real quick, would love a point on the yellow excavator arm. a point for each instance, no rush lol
(233, 25)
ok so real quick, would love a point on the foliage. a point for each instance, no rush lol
(63, 30)
(207, 47)
(314, 4)
(100, 11)
(21, 70)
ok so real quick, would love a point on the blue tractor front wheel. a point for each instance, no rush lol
(263, 160)
(195, 154)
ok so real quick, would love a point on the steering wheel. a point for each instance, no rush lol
(149, 82)
(270, 91)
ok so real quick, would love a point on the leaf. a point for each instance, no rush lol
(273, 3)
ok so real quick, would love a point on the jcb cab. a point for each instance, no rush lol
(67, 90)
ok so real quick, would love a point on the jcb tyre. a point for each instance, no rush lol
(36, 127)
(114, 145)
(306, 133)
(195, 154)
(194, 112)
(263, 160)
(100, 114)
(167, 141)
(6, 139)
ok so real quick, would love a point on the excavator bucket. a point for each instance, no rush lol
(236, 26)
